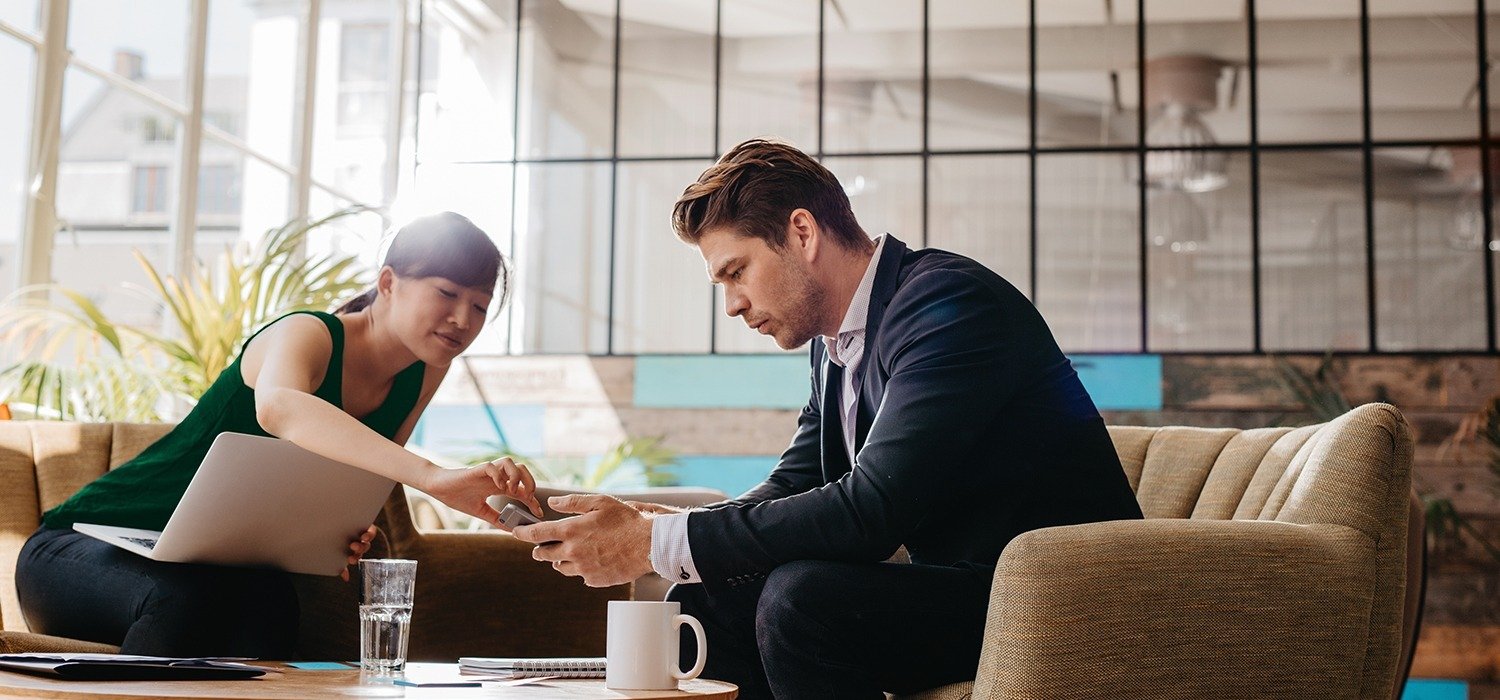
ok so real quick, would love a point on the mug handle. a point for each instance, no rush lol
(690, 621)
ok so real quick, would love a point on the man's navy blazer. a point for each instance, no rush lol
(973, 428)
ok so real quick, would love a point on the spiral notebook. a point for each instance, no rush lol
(563, 666)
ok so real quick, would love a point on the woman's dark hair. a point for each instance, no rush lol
(443, 245)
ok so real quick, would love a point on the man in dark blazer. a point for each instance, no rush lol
(943, 417)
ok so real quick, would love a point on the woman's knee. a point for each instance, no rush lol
(208, 602)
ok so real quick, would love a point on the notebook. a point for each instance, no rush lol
(563, 667)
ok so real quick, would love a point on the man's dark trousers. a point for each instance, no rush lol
(819, 629)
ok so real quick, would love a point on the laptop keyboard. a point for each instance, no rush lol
(146, 542)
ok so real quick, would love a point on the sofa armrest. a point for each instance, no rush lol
(1125, 609)
(478, 594)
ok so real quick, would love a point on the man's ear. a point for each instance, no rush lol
(803, 234)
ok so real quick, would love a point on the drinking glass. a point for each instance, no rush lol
(386, 587)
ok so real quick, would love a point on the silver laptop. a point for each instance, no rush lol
(262, 502)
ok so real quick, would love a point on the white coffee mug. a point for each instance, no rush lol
(643, 645)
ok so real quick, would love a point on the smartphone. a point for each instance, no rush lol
(514, 515)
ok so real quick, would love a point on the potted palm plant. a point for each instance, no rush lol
(75, 363)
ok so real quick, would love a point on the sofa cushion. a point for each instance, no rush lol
(23, 642)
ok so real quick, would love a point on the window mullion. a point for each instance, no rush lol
(46, 132)
(190, 144)
(308, 74)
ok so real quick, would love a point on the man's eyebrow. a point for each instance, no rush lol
(723, 268)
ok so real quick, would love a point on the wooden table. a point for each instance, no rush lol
(299, 684)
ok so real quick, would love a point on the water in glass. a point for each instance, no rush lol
(383, 637)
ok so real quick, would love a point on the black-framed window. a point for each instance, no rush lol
(1275, 179)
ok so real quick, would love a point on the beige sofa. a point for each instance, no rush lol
(478, 593)
(1273, 563)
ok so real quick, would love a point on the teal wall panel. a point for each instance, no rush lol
(1430, 689)
(732, 475)
(1116, 382)
(721, 381)
(1121, 382)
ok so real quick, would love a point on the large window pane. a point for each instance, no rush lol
(1086, 74)
(567, 79)
(147, 47)
(872, 76)
(661, 289)
(355, 86)
(885, 192)
(1199, 287)
(979, 206)
(1195, 90)
(667, 79)
(1309, 74)
(17, 66)
(1492, 39)
(978, 75)
(249, 91)
(482, 193)
(769, 76)
(1312, 248)
(116, 180)
(1423, 67)
(1429, 273)
(352, 131)
(1088, 250)
(562, 245)
(467, 97)
(361, 234)
(21, 14)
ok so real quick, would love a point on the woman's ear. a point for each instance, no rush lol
(385, 281)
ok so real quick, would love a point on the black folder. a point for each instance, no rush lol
(119, 667)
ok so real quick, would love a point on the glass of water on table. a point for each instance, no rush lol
(386, 587)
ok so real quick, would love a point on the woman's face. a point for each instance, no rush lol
(436, 318)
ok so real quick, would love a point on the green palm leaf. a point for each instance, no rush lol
(122, 372)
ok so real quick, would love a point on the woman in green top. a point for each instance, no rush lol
(349, 386)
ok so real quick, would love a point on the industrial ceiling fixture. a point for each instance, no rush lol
(1179, 89)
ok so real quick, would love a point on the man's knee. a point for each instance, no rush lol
(794, 599)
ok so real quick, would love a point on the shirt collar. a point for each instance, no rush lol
(859, 306)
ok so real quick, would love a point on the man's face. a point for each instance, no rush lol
(772, 290)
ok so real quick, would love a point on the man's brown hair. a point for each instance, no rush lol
(756, 186)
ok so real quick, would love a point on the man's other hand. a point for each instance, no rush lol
(608, 543)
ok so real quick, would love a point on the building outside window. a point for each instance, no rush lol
(151, 188)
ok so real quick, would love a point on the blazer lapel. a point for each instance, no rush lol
(887, 275)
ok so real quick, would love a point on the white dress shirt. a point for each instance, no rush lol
(671, 556)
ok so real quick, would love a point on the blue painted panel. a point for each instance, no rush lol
(1121, 382)
(461, 431)
(1429, 689)
(732, 475)
(721, 381)
(1116, 382)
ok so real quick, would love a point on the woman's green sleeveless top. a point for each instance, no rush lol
(143, 492)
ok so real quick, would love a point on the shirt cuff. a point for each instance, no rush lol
(671, 557)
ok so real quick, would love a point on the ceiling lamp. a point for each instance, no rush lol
(1465, 172)
(1179, 89)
